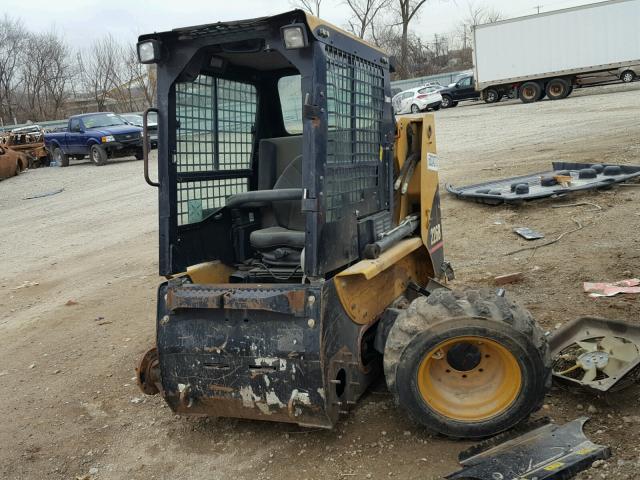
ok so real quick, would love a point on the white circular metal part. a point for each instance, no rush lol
(590, 360)
(311, 322)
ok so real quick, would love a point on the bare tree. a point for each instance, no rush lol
(12, 38)
(45, 75)
(143, 80)
(40, 75)
(99, 69)
(476, 15)
(407, 11)
(59, 76)
(133, 85)
(479, 14)
(365, 13)
(311, 6)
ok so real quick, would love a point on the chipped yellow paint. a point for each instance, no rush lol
(210, 272)
(367, 288)
(315, 22)
(424, 183)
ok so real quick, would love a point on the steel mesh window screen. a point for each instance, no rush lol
(209, 105)
(236, 110)
(215, 119)
(348, 186)
(197, 199)
(195, 133)
(355, 102)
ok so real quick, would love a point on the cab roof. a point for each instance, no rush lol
(253, 24)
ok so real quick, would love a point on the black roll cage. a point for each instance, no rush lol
(186, 54)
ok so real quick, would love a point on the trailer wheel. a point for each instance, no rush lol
(491, 96)
(557, 89)
(98, 155)
(60, 158)
(627, 76)
(467, 364)
(530, 92)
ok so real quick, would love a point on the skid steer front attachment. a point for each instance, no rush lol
(285, 353)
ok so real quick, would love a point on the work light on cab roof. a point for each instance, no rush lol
(294, 36)
(149, 51)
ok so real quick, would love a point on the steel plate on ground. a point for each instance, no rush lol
(544, 451)
(563, 179)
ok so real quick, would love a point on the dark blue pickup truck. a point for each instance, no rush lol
(100, 135)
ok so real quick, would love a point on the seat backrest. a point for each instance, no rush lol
(288, 213)
(275, 154)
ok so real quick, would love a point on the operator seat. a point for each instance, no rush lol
(282, 243)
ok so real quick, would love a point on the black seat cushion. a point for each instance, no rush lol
(274, 237)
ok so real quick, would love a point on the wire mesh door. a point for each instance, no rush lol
(214, 139)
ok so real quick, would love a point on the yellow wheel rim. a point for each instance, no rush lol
(469, 379)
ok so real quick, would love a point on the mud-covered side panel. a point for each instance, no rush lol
(350, 362)
(243, 361)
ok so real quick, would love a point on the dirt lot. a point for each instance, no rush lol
(79, 275)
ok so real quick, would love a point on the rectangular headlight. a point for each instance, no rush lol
(149, 51)
(294, 36)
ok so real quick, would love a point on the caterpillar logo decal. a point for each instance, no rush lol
(435, 243)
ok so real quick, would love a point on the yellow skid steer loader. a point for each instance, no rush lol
(301, 239)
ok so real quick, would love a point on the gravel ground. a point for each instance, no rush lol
(77, 294)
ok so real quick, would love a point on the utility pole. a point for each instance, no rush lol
(538, 7)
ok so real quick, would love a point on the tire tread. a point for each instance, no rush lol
(443, 305)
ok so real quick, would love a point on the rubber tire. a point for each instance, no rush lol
(98, 155)
(447, 101)
(492, 96)
(139, 155)
(435, 109)
(415, 108)
(454, 104)
(60, 157)
(537, 92)
(445, 314)
(627, 76)
(560, 82)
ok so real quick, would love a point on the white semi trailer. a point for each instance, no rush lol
(547, 53)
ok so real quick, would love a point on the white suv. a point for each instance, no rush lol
(416, 100)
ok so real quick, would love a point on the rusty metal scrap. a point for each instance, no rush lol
(12, 163)
(237, 298)
(29, 141)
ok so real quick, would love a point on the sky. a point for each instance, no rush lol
(83, 21)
